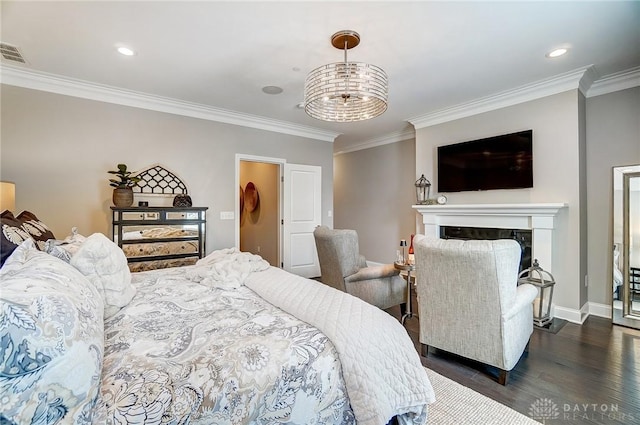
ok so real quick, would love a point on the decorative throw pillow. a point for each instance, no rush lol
(65, 249)
(54, 247)
(12, 235)
(39, 231)
(52, 340)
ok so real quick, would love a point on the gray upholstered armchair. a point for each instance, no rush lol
(469, 301)
(342, 267)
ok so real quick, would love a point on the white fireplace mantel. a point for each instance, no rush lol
(539, 218)
(493, 209)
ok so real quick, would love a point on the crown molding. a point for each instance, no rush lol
(590, 75)
(398, 136)
(581, 79)
(37, 80)
(615, 82)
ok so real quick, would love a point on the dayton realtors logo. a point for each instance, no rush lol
(545, 409)
(595, 411)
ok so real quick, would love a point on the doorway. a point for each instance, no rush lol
(295, 192)
(259, 208)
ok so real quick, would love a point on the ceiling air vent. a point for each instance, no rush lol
(11, 53)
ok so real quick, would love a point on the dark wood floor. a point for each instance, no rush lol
(590, 372)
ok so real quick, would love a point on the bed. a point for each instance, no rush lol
(229, 340)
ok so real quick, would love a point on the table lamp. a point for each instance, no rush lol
(7, 196)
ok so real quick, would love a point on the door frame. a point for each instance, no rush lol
(269, 160)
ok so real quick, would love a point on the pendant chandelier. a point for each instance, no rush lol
(346, 91)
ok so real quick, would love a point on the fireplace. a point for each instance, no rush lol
(539, 219)
(522, 236)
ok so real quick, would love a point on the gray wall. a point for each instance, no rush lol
(373, 194)
(613, 139)
(582, 164)
(57, 149)
(602, 132)
(556, 175)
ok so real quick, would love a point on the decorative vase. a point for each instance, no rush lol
(182, 200)
(123, 197)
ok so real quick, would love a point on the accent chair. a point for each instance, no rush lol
(343, 268)
(469, 301)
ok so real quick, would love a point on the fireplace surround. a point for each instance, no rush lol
(539, 218)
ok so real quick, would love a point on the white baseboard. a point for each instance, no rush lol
(579, 316)
(601, 310)
(570, 314)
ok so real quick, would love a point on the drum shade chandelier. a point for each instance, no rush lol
(346, 91)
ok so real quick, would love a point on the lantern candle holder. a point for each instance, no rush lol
(423, 187)
(544, 282)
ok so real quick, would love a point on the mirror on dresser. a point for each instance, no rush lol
(625, 254)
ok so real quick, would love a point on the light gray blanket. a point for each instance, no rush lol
(381, 368)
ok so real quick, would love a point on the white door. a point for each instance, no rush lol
(302, 213)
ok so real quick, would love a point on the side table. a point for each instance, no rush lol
(406, 268)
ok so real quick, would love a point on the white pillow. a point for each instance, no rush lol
(105, 265)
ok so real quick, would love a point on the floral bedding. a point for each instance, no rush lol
(206, 344)
(51, 340)
(182, 352)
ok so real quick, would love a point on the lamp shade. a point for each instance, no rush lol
(7, 196)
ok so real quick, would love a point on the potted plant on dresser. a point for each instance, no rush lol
(123, 192)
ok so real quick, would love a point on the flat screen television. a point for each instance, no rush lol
(499, 162)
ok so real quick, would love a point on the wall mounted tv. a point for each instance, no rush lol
(499, 162)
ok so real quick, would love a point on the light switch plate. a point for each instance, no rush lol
(227, 215)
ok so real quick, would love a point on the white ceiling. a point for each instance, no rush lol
(221, 54)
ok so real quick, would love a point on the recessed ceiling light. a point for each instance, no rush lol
(126, 51)
(557, 52)
(272, 89)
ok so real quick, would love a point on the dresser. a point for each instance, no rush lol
(160, 237)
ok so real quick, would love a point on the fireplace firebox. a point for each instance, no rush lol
(522, 236)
